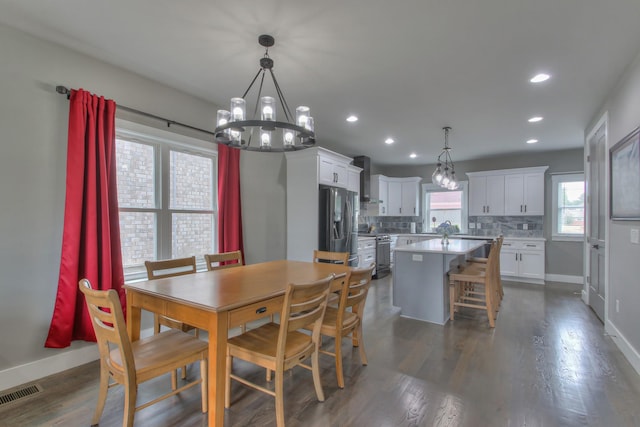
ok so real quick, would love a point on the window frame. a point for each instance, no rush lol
(556, 180)
(464, 216)
(164, 143)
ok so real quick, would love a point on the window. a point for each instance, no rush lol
(568, 206)
(167, 196)
(443, 205)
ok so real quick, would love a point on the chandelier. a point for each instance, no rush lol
(445, 174)
(262, 132)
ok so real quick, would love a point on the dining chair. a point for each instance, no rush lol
(223, 260)
(347, 317)
(171, 268)
(480, 263)
(280, 347)
(132, 363)
(332, 257)
(463, 291)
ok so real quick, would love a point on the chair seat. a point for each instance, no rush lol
(264, 341)
(329, 322)
(469, 273)
(164, 351)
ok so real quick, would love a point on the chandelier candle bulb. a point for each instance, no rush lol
(268, 108)
(309, 124)
(302, 114)
(288, 138)
(238, 109)
(265, 138)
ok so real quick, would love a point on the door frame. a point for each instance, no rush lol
(603, 120)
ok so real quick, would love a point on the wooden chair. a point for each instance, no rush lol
(346, 319)
(281, 347)
(334, 257)
(462, 290)
(480, 263)
(171, 268)
(222, 260)
(132, 363)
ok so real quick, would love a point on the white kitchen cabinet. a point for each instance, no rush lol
(523, 260)
(353, 178)
(306, 170)
(486, 195)
(379, 196)
(404, 196)
(366, 251)
(524, 194)
(507, 192)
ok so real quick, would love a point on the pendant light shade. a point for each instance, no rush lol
(445, 175)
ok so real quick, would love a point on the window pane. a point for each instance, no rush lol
(136, 171)
(138, 235)
(192, 234)
(444, 206)
(446, 200)
(191, 181)
(571, 207)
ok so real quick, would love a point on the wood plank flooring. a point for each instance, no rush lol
(548, 362)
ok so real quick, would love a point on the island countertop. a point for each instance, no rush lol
(455, 246)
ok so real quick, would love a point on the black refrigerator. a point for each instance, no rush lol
(338, 229)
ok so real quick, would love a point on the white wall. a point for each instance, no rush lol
(33, 137)
(623, 106)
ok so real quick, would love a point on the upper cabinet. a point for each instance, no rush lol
(353, 178)
(486, 195)
(507, 192)
(394, 196)
(332, 170)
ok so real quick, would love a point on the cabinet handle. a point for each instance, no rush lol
(484, 209)
(525, 208)
(400, 210)
(414, 210)
(488, 209)
(520, 257)
(516, 257)
(520, 208)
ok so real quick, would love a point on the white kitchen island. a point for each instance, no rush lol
(420, 283)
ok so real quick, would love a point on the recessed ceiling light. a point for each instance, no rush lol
(532, 141)
(539, 78)
(535, 119)
(389, 141)
(413, 155)
(352, 119)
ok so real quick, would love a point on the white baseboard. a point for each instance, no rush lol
(627, 349)
(578, 280)
(66, 359)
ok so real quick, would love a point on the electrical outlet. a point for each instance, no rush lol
(617, 306)
(635, 236)
(525, 226)
(416, 257)
(472, 225)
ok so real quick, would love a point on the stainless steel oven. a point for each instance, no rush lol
(383, 255)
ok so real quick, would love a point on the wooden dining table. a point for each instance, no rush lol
(218, 300)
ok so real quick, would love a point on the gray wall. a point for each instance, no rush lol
(33, 123)
(623, 107)
(564, 258)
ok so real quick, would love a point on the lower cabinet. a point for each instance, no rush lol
(366, 251)
(522, 260)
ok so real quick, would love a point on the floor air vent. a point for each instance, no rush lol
(19, 393)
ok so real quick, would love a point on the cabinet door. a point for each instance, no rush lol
(477, 196)
(353, 181)
(531, 264)
(395, 198)
(514, 195)
(534, 194)
(326, 174)
(495, 195)
(383, 193)
(410, 199)
(508, 262)
(340, 170)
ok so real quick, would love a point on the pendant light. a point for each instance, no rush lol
(445, 174)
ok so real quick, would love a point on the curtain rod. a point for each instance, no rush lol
(65, 91)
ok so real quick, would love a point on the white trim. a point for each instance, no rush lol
(623, 344)
(537, 169)
(523, 280)
(66, 359)
(564, 278)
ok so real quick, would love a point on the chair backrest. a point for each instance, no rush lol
(170, 267)
(355, 290)
(222, 260)
(109, 325)
(304, 305)
(493, 261)
(331, 257)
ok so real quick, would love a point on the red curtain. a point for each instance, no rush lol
(229, 206)
(91, 234)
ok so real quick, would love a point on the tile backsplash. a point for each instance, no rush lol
(393, 224)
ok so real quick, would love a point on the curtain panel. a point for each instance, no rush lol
(229, 205)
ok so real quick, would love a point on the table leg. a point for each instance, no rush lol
(218, 331)
(134, 313)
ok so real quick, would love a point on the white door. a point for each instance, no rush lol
(477, 196)
(383, 191)
(495, 195)
(533, 194)
(508, 262)
(531, 264)
(596, 218)
(410, 197)
(513, 195)
(395, 198)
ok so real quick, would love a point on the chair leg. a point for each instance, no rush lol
(279, 390)
(452, 299)
(489, 303)
(130, 395)
(102, 395)
(268, 375)
(184, 372)
(315, 370)
(174, 379)
(227, 381)
(338, 356)
(363, 354)
(204, 385)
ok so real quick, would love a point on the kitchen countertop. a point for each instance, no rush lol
(468, 236)
(455, 247)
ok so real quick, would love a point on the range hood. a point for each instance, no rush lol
(364, 162)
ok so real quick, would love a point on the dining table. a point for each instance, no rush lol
(221, 299)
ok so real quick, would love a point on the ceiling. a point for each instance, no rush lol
(405, 68)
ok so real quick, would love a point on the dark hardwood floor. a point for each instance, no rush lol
(548, 362)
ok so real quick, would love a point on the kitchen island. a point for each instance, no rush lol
(420, 283)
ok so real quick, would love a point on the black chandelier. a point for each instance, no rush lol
(445, 174)
(236, 130)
